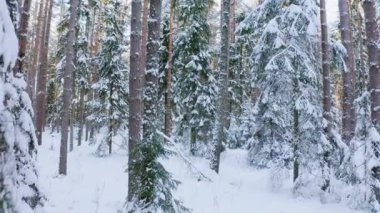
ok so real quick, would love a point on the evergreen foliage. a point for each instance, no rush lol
(195, 82)
(112, 86)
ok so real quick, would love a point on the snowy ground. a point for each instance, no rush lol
(99, 185)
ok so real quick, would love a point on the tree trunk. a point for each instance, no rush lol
(81, 116)
(232, 74)
(144, 34)
(22, 36)
(325, 68)
(135, 97)
(168, 76)
(33, 70)
(372, 31)
(222, 104)
(111, 120)
(42, 73)
(326, 82)
(348, 111)
(67, 87)
(72, 109)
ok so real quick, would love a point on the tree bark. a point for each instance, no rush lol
(348, 111)
(42, 73)
(168, 76)
(222, 104)
(111, 120)
(81, 116)
(33, 70)
(325, 68)
(144, 34)
(67, 87)
(22, 36)
(372, 31)
(135, 96)
(232, 74)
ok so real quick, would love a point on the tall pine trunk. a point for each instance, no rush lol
(325, 68)
(348, 111)
(42, 73)
(33, 70)
(222, 104)
(372, 31)
(22, 35)
(168, 76)
(81, 115)
(326, 81)
(67, 87)
(144, 34)
(135, 98)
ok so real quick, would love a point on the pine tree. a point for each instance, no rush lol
(194, 80)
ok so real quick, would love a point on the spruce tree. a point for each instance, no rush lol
(113, 77)
(19, 187)
(289, 129)
(194, 79)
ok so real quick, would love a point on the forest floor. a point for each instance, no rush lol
(99, 185)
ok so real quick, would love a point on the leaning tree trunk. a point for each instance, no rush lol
(168, 76)
(348, 111)
(372, 31)
(41, 76)
(67, 87)
(135, 98)
(22, 36)
(222, 104)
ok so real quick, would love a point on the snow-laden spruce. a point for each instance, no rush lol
(286, 70)
(19, 187)
(110, 109)
(194, 80)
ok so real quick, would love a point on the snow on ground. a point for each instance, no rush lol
(99, 185)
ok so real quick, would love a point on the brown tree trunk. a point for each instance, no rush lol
(42, 74)
(33, 70)
(348, 111)
(168, 95)
(144, 34)
(111, 121)
(326, 83)
(232, 74)
(67, 87)
(22, 36)
(372, 31)
(72, 110)
(81, 115)
(222, 104)
(135, 97)
(325, 68)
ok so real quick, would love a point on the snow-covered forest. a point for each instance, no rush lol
(179, 106)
